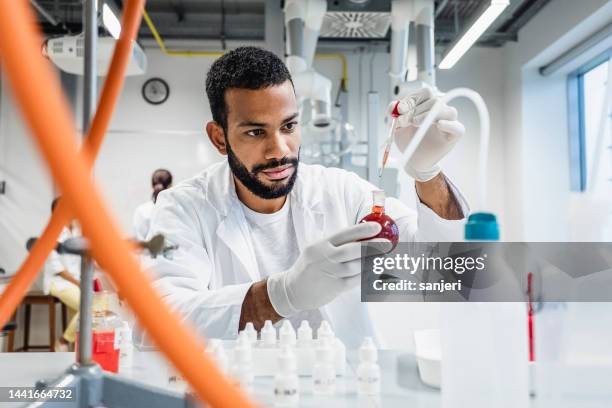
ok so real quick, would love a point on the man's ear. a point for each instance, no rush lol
(217, 136)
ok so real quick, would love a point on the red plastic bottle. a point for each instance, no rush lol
(105, 340)
(389, 227)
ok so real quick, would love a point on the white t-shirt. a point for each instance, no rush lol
(276, 250)
(142, 220)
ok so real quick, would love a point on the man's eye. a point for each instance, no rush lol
(290, 127)
(255, 132)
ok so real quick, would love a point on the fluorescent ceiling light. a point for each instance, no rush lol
(111, 22)
(490, 13)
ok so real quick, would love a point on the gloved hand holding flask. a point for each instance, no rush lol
(323, 271)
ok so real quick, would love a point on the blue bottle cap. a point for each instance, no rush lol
(482, 227)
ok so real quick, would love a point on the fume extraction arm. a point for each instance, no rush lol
(420, 13)
(303, 20)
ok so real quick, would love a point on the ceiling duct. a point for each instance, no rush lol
(357, 19)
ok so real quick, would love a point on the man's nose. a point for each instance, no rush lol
(277, 147)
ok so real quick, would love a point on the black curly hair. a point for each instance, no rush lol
(244, 67)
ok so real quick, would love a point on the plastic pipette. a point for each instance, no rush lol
(389, 141)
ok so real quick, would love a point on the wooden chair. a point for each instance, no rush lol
(39, 298)
(9, 329)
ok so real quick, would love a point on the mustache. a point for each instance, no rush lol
(275, 163)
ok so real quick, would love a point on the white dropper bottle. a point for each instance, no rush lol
(338, 349)
(126, 348)
(251, 332)
(286, 382)
(324, 331)
(368, 371)
(268, 334)
(242, 368)
(304, 334)
(287, 334)
(324, 373)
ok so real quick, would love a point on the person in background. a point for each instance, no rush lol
(160, 181)
(61, 279)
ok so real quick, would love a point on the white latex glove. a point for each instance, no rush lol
(323, 271)
(442, 135)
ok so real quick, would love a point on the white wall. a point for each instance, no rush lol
(26, 205)
(536, 144)
(144, 137)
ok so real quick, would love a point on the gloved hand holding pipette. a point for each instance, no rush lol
(441, 137)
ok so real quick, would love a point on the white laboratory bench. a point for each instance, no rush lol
(24, 369)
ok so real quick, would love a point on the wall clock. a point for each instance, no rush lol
(155, 91)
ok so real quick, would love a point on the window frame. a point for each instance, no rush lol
(576, 121)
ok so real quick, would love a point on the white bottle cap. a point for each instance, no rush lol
(368, 352)
(243, 338)
(268, 334)
(251, 332)
(287, 334)
(325, 330)
(304, 332)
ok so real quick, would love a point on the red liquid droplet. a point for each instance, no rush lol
(389, 227)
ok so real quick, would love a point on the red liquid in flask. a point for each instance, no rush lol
(389, 227)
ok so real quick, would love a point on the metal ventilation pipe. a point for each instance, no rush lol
(401, 13)
(421, 14)
(424, 35)
(303, 20)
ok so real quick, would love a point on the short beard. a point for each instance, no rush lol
(249, 178)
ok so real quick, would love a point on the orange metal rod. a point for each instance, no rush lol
(33, 263)
(46, 111)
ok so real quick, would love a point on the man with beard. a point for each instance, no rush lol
(264, 237)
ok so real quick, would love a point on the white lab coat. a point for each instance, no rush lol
(141, 221)
(207, 277)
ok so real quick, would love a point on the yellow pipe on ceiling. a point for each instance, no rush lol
(162, 46)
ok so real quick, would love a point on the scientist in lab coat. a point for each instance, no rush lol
(262, 236)
(141, 221)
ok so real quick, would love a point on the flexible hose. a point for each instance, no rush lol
(46, 111)
(485, 126)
